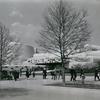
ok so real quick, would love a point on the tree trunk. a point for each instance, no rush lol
(63, 77)
(63, 72)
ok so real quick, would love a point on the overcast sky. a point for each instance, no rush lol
(24, 17)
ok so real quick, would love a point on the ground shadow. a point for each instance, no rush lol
(77, 84)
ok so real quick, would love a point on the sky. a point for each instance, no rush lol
(24, 18)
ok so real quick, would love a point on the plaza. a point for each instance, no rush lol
(49, 50)
(39, 89)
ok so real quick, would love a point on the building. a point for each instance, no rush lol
(91, 54)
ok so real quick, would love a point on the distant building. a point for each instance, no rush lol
(26, 51)
(90, 55)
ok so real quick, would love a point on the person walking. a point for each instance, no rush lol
(81, 72)
(33, 73)
(55, 74)
(15, 75)
(96, 74)
(27, 74)
(52, 75)
(60, 74)
(44, 73)
(82, 75)
(72, 74)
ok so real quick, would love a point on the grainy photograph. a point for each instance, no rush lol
(49, 50)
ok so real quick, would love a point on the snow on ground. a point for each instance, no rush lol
(35, 89)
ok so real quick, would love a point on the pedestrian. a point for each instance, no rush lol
(83, 78)
(60, 74)
(27, 74)
(81, 72)
(33, 73)
(72, 74)
(96, 74)
(44, 73)
(55, 74)
(17, 72)
(15, 75)
(52, 74)
(20, 72)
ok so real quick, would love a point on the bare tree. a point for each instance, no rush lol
(14, 52)
(65, 30)
(8, 48)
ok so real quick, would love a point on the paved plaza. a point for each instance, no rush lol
(37, 89)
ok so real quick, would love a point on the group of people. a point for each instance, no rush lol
(28, 73)
(74, 74)
(15, 74)
(56, 74)
(82, 74)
